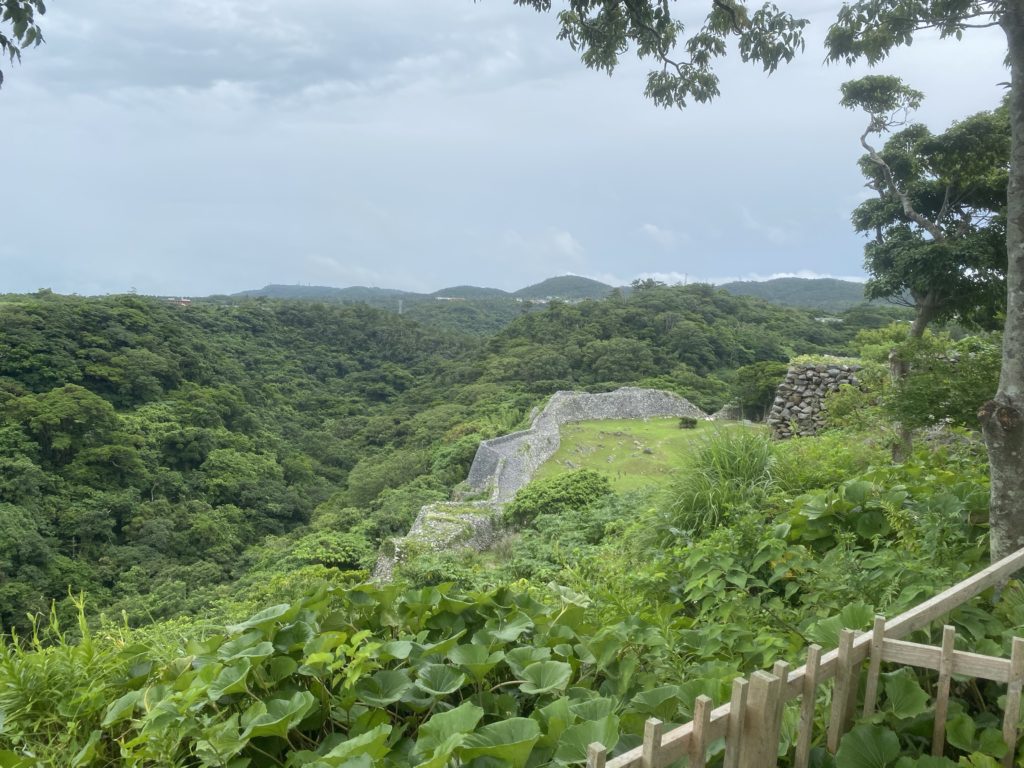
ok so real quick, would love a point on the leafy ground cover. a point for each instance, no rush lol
(632, 453)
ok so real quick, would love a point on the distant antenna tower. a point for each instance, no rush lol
(400, 306)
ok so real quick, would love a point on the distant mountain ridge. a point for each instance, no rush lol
(826, 293)
(823, 293)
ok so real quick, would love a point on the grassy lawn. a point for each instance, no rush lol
(634, 453)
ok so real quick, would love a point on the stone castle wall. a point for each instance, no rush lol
(799, 407)
(505, 464)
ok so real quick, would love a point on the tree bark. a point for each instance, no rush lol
(1001, 417)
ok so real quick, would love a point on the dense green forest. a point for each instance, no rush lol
(199, 490)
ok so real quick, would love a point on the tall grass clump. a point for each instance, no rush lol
(728, 469)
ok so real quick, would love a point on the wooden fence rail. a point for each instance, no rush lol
(751, 721)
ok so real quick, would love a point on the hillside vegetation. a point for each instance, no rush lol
(224, 474)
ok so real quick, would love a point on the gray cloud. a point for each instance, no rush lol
(189, 146)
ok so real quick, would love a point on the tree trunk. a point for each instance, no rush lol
(1001, 417)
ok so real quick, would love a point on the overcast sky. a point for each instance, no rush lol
(209, 146)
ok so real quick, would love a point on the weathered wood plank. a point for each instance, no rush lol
(701, 726)
(942, 691)
(845, 692)
(734, 734)
(596, 755)
(1011, 717)
(652, 743)
(760, 741)
(929, 657)
(805, 730)
(871, 689)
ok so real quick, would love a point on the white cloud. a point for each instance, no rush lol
(773, 233)
(662, 236)
(566, 244)
(807, 274)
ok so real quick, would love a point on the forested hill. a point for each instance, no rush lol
(824, 293)
(151, 454)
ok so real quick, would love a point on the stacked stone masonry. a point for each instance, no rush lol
(799, 407)
(505, 464)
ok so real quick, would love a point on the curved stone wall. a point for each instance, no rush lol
(505, 464)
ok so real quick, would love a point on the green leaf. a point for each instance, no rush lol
(220, 741)
(277, 716)
(903, 696)
(439, 679)
(518, 659)
(383, 687)
(572, 747)
(372, 744)
(232, 679)
(441, 756)
(509, 741)
(10, 759)
(960, 732)
(444, 725)
(925, 761)
(262, 620)
(86, 754)
(545, 676)
(395, 649)
(249, 645)
(593, 709)
(121, 709)
(662, 703)
(510, 630)
(867, 746)
(475, 659)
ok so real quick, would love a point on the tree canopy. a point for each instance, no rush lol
(21, 16)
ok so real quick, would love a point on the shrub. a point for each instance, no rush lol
(687, 422)
(555, 495)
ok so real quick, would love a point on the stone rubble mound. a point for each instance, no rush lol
(799, 406)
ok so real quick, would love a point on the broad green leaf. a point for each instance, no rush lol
(383, 687)
(867, 746)
(280, 667)
(121, 709)
(220, 741)
(372, 744)
(262, 620)
(250, 645)
(439, 648)
(442, 753)
(545, 676)
(509, 741)
(518, 659)
(593, 709)
(925, 761)
(857, 491)
(903, 696)
(662, 703)
(554, 718)
(443, 725)
(10, 759)
(277, 716)
(86, 754)
(439, 679)
(232, 679)
(960, 731)
(871, 523)
(395, 649)
(510, 630)
(572, 747)
(475, 659)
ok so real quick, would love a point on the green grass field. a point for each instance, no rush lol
(633, 453)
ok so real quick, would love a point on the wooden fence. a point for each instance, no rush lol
(751, 721)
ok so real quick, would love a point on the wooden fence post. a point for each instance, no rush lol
(809, 694)
(844, 695)
(597, 755)
(875, 666)
(1013, 691)
(760, 743)
(699, 736)
(652, 743)
(942, 691)
(734, 732)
